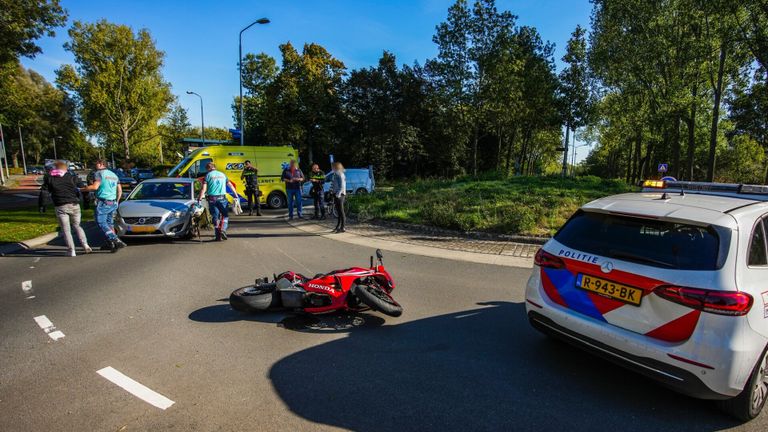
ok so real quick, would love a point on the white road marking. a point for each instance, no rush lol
(36, 260)
(137, 389)
(48, 327)
(26, 286)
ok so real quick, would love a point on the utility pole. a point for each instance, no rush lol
(5, 151)
(23, 158)
(240, 71)
(54, 149)
(2, 156)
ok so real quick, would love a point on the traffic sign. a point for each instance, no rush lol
(331, 156)
(663, 167)
(235, 134)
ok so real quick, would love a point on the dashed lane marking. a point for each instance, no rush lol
(26, 286)
(135, 388)
(48, 327)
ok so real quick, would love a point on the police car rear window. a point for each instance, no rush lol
(646, 241)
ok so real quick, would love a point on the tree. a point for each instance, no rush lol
(174, 127)
(117, 83)
(467, 49)
(575, 87)
(25, 21)
(259, 72)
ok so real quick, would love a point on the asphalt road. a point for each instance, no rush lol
(461, 358)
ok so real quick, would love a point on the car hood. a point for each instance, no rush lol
(139, 208)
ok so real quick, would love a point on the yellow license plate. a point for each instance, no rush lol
(610, 289)
(142, 229)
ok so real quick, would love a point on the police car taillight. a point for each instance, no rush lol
(718, 302)
(546, 259)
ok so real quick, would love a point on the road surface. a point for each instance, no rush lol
(80, 336)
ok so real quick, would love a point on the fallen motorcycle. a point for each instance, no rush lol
(354, 289)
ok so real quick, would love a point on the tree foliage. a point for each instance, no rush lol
(22, 22)
(117, 83)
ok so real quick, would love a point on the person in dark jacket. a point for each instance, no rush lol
(250, 178)
(63, 188)
(317, 192)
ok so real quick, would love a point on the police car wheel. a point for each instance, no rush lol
(254, 299)
(748, 404)
(276, 200)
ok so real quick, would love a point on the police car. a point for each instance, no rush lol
(671, 282)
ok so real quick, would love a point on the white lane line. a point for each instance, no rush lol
(36, 260)
(139, 390)
(48, 327)
(26, 286)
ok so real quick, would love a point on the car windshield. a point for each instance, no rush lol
(162, 191)
(646, 241)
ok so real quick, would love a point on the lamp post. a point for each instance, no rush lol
(202, 117)
(240, 69)
(54, 148)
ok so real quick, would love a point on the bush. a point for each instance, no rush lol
(518, 205)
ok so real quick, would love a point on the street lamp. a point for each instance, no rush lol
(202, 118)
(240, 69)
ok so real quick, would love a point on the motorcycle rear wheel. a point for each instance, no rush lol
(378, 299)
(254, 298)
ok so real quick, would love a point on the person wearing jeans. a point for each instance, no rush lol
(108, 191)
(62, 186)
(339, 185)
(216, 186)
(293, 177)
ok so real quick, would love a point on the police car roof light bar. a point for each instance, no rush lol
(707, 188)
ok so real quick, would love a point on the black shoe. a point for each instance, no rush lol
(341, 230)
(322, 217)
(250, 213)
(108, 246)
(119, 244)
(258, 214)
(223, 235)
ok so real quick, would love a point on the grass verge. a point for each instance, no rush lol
(25, 223)
(518, 205)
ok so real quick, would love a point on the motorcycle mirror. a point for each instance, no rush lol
(371, 261)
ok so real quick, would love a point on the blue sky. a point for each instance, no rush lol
(199, 38)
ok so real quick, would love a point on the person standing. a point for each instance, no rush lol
(62, 186)
(107, 191)
(317, 178)
(293, 177)
(339, 185)
(215, 185)
(250, 178)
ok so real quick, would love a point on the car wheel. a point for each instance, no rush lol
(748, 404)
(361, 191)
(276, 200)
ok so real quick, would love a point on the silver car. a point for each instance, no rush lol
(157, 208)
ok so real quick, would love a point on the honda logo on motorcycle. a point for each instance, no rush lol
(606, 267)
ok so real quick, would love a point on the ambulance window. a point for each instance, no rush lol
(757, 247)
(199, 168)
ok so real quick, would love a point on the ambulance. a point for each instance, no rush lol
(270, 161)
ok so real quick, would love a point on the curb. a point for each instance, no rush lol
(27, 244)
(475, 235)
(414, 249)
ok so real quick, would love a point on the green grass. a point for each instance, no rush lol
(26, 223)
(518, 205)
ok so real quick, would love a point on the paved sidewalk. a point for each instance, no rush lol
(440, 240)
(24, 192)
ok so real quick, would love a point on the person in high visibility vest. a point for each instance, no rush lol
(250, 178)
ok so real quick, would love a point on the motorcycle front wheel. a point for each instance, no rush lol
(378, 299)
(255, 298)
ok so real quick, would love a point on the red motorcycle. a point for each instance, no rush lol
(354, 289)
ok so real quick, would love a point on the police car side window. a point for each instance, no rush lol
(758, 255)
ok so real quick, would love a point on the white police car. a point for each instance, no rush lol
(671, 282)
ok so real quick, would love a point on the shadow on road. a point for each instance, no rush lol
(481, 369)
(328, 323)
